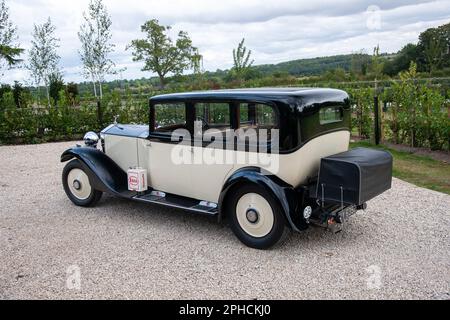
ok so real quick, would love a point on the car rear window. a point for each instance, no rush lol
(331, 114)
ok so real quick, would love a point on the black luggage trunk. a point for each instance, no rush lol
(354, 177)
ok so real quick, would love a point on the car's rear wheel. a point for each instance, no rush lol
(256, 217)
(77, 185)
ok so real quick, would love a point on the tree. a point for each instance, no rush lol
(56, 84)
(444, 32)
(161, 55)
(95, 37)
(9, 54)
(197, 65)
(19, 94)
(433, 53)
(335, 75)
(44, 59)
(402, 61)
(359, 62)
(72, 90)
(242, 63)
(434, 48)
(377, 65)
(9, 51)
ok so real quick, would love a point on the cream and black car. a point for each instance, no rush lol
(299, 171)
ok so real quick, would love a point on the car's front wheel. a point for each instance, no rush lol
(256, 217)
(77, 185)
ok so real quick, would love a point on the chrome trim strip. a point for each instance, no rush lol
(158, 194)
(105, 131)
(209, 204)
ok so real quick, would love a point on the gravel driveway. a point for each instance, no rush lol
(397, 249)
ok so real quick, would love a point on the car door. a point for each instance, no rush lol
(165, 170)
(210, 166)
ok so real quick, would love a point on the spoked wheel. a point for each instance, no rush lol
(77, 185)
(256, 218)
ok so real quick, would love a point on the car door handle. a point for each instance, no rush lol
(149, 144)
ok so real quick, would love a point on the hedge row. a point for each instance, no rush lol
(65, 121)
(412, 114)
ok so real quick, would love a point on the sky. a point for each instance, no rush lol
(275, 30)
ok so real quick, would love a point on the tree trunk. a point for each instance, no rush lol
(99, 114)
(39, 95)
(100, 89)
(395, 124)
(413, 128)
(162, 81)
(48, 95)
(95, 88)
(360, 119)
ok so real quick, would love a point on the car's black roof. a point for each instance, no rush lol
(306, 95)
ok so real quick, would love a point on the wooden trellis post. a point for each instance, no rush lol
(377, 120)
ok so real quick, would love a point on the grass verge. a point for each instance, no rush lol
(420, 170)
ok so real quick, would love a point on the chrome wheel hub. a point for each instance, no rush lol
(252, 216)
(77, 185)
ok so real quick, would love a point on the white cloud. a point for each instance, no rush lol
(276, 30)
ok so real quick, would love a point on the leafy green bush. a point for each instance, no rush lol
(417, 113)
(362, 105)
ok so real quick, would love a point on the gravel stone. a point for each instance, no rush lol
(397, 249)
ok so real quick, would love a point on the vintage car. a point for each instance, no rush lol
(266, 160)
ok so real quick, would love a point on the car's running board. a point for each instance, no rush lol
(175, 201)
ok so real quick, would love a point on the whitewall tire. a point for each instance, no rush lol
(256, 217)
(77, 185)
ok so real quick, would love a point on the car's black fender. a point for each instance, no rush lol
(104, 174)
(287, 196)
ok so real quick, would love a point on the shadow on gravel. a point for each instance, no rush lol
(152, 213)
(314, 238)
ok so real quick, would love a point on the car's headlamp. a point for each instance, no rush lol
(91, 139)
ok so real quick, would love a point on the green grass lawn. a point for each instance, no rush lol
(417, 169)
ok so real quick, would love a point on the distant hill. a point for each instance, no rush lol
(312, 66)
(298, 68)
(309, 67)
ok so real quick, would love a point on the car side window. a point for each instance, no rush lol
(170, 117)
(257, 116)
(212, 116)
